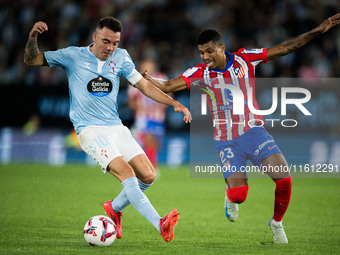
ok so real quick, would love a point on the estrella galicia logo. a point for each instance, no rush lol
(99, 86)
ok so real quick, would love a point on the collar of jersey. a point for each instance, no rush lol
(90, 52)
(229, 64)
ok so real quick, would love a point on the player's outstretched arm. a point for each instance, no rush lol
(164, 85)
(295, 43)
(33, 56)
(156, 94)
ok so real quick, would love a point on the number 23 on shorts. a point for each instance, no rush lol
(226, 154)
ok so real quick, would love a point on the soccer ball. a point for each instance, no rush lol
(100, 231)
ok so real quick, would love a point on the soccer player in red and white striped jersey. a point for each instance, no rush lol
(238, 143)
(240, 72)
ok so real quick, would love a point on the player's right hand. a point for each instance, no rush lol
(38, 28)
(178, 107)
(328, 23)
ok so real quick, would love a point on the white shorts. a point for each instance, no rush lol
(105, 143)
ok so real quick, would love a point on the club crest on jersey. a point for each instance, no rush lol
(239, 72)
(112, 65)
(99, 86)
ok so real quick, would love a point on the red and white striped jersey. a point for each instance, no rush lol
(239, 72)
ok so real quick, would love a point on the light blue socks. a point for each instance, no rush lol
(121, 201)
(139, 201)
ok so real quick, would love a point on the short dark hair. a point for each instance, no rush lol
(111, 23)
(209, 35)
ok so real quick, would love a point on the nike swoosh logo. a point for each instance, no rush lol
(270, 148)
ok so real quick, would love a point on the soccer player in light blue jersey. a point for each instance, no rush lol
(93, 75)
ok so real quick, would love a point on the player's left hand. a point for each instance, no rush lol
(330, 22)
(145, 74)
(180, 108)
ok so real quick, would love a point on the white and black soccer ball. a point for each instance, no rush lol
(100, 231)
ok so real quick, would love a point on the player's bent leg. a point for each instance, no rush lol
(283, 182)
(121, 201)
(236, 193)
(283, 193)
(277, 169)
(145, 172)
(140, 202)
(121, 170)
(275, 166)
(237, 179)
(114, 208)
(143, 168)
(133, 154)
(134, 194)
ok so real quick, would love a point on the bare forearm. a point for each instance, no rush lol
(297, 42)
(31, 50)
(156, 94)
(291, 44)
(166, 86)
(159, 83)
(32, 55)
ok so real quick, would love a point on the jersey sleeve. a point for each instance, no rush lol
(191, 74)
(129, 71)
(255, 56)
(59, 57)
(134, 77)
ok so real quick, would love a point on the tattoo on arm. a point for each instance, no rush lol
(31, 50)
(291, 44)
(299, 41)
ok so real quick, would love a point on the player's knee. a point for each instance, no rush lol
(121, 173)
(148, 178)
(238, 194)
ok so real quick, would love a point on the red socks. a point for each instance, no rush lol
(283, 192)
(238, 194)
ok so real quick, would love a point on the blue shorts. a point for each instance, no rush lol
(255, 145)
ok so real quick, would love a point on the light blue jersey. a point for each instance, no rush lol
(93, 84)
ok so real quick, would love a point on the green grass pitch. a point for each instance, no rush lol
(44, 209)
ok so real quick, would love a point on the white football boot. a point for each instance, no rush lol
(279, 234)
(231, 209)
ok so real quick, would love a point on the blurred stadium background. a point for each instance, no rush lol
(34, 122)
